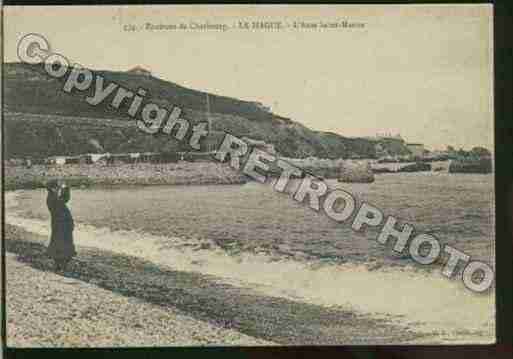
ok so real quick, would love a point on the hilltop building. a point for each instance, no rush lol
(384, 136)
(389, 136)
(138, 70)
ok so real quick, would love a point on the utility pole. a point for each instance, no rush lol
(209, 123)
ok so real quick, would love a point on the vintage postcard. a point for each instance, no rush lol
(248, 175)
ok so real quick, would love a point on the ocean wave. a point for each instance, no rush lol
(424, 301)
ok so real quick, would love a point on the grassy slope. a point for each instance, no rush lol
(29, 90)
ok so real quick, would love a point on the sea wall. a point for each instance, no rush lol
(416, 167)
(181, 173)
(322, 167)
(483, 165)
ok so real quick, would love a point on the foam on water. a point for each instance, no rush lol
(425, 302)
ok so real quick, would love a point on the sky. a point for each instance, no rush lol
(425, 72)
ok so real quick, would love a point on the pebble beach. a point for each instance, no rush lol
(46, 309)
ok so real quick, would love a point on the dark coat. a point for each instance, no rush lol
(61, 245)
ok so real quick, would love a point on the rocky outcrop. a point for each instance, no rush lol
(356, 172)
(416, 167)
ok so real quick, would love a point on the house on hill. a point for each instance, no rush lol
(138, 70)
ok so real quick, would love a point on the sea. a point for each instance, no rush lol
(252, 236)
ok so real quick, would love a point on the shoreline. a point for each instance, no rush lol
(254, 318)
(127, 241)
(30, 243)
(182, 173)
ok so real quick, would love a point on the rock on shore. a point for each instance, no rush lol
(416, 167)
(356, 172)
(343, 170)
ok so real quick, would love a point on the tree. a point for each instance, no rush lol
(480, 152)
(462, 152)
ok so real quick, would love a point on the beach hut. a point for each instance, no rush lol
(72, 160)
(91, 158)
(56, 160)
(134, 157)
(148, 156)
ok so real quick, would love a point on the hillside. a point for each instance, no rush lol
(42, 120)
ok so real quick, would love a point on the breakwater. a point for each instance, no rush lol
(78, 175)
(482, 165)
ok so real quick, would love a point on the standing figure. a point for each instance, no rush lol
(61, 248)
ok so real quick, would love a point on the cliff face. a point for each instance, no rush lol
(42, 120)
